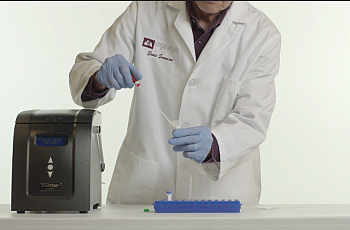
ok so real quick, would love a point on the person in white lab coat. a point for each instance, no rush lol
(209, 65)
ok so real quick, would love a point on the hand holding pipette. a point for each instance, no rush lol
(115, 73)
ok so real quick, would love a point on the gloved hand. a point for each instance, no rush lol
(116, 72)
(195, 142)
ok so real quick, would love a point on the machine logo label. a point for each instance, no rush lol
(50, 186)
(149, 43)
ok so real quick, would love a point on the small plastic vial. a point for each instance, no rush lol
(169, 194)
(175, 124)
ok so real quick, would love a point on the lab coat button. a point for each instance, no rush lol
(192, 83)
(183, 166)
(50, 167)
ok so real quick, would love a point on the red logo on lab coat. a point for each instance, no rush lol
(149, 43)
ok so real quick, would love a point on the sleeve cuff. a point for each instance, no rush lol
(89, 94)
(215, 152)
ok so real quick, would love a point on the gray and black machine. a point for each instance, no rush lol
(57, 161)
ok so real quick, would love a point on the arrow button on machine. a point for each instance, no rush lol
(50, 167)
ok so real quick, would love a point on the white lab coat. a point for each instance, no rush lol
(230, 88)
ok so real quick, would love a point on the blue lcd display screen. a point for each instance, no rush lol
(44, 140)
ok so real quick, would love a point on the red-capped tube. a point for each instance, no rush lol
(135, 81)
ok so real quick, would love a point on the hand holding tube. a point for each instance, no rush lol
(195, 142)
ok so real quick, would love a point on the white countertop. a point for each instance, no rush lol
(286, 217)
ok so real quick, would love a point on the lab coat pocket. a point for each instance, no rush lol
(238, 183)
(224, 104)
(134, 179)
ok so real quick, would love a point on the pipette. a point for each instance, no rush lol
(137, 83)
(173, 124)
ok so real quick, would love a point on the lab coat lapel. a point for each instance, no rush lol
(221, 35)
(183, 26)
(235, 17)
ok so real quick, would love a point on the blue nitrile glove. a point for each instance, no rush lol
(116, 72)
(195, 142)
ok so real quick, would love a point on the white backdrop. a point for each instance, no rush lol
(305, 158)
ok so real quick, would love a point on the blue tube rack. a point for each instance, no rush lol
(197, 206)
